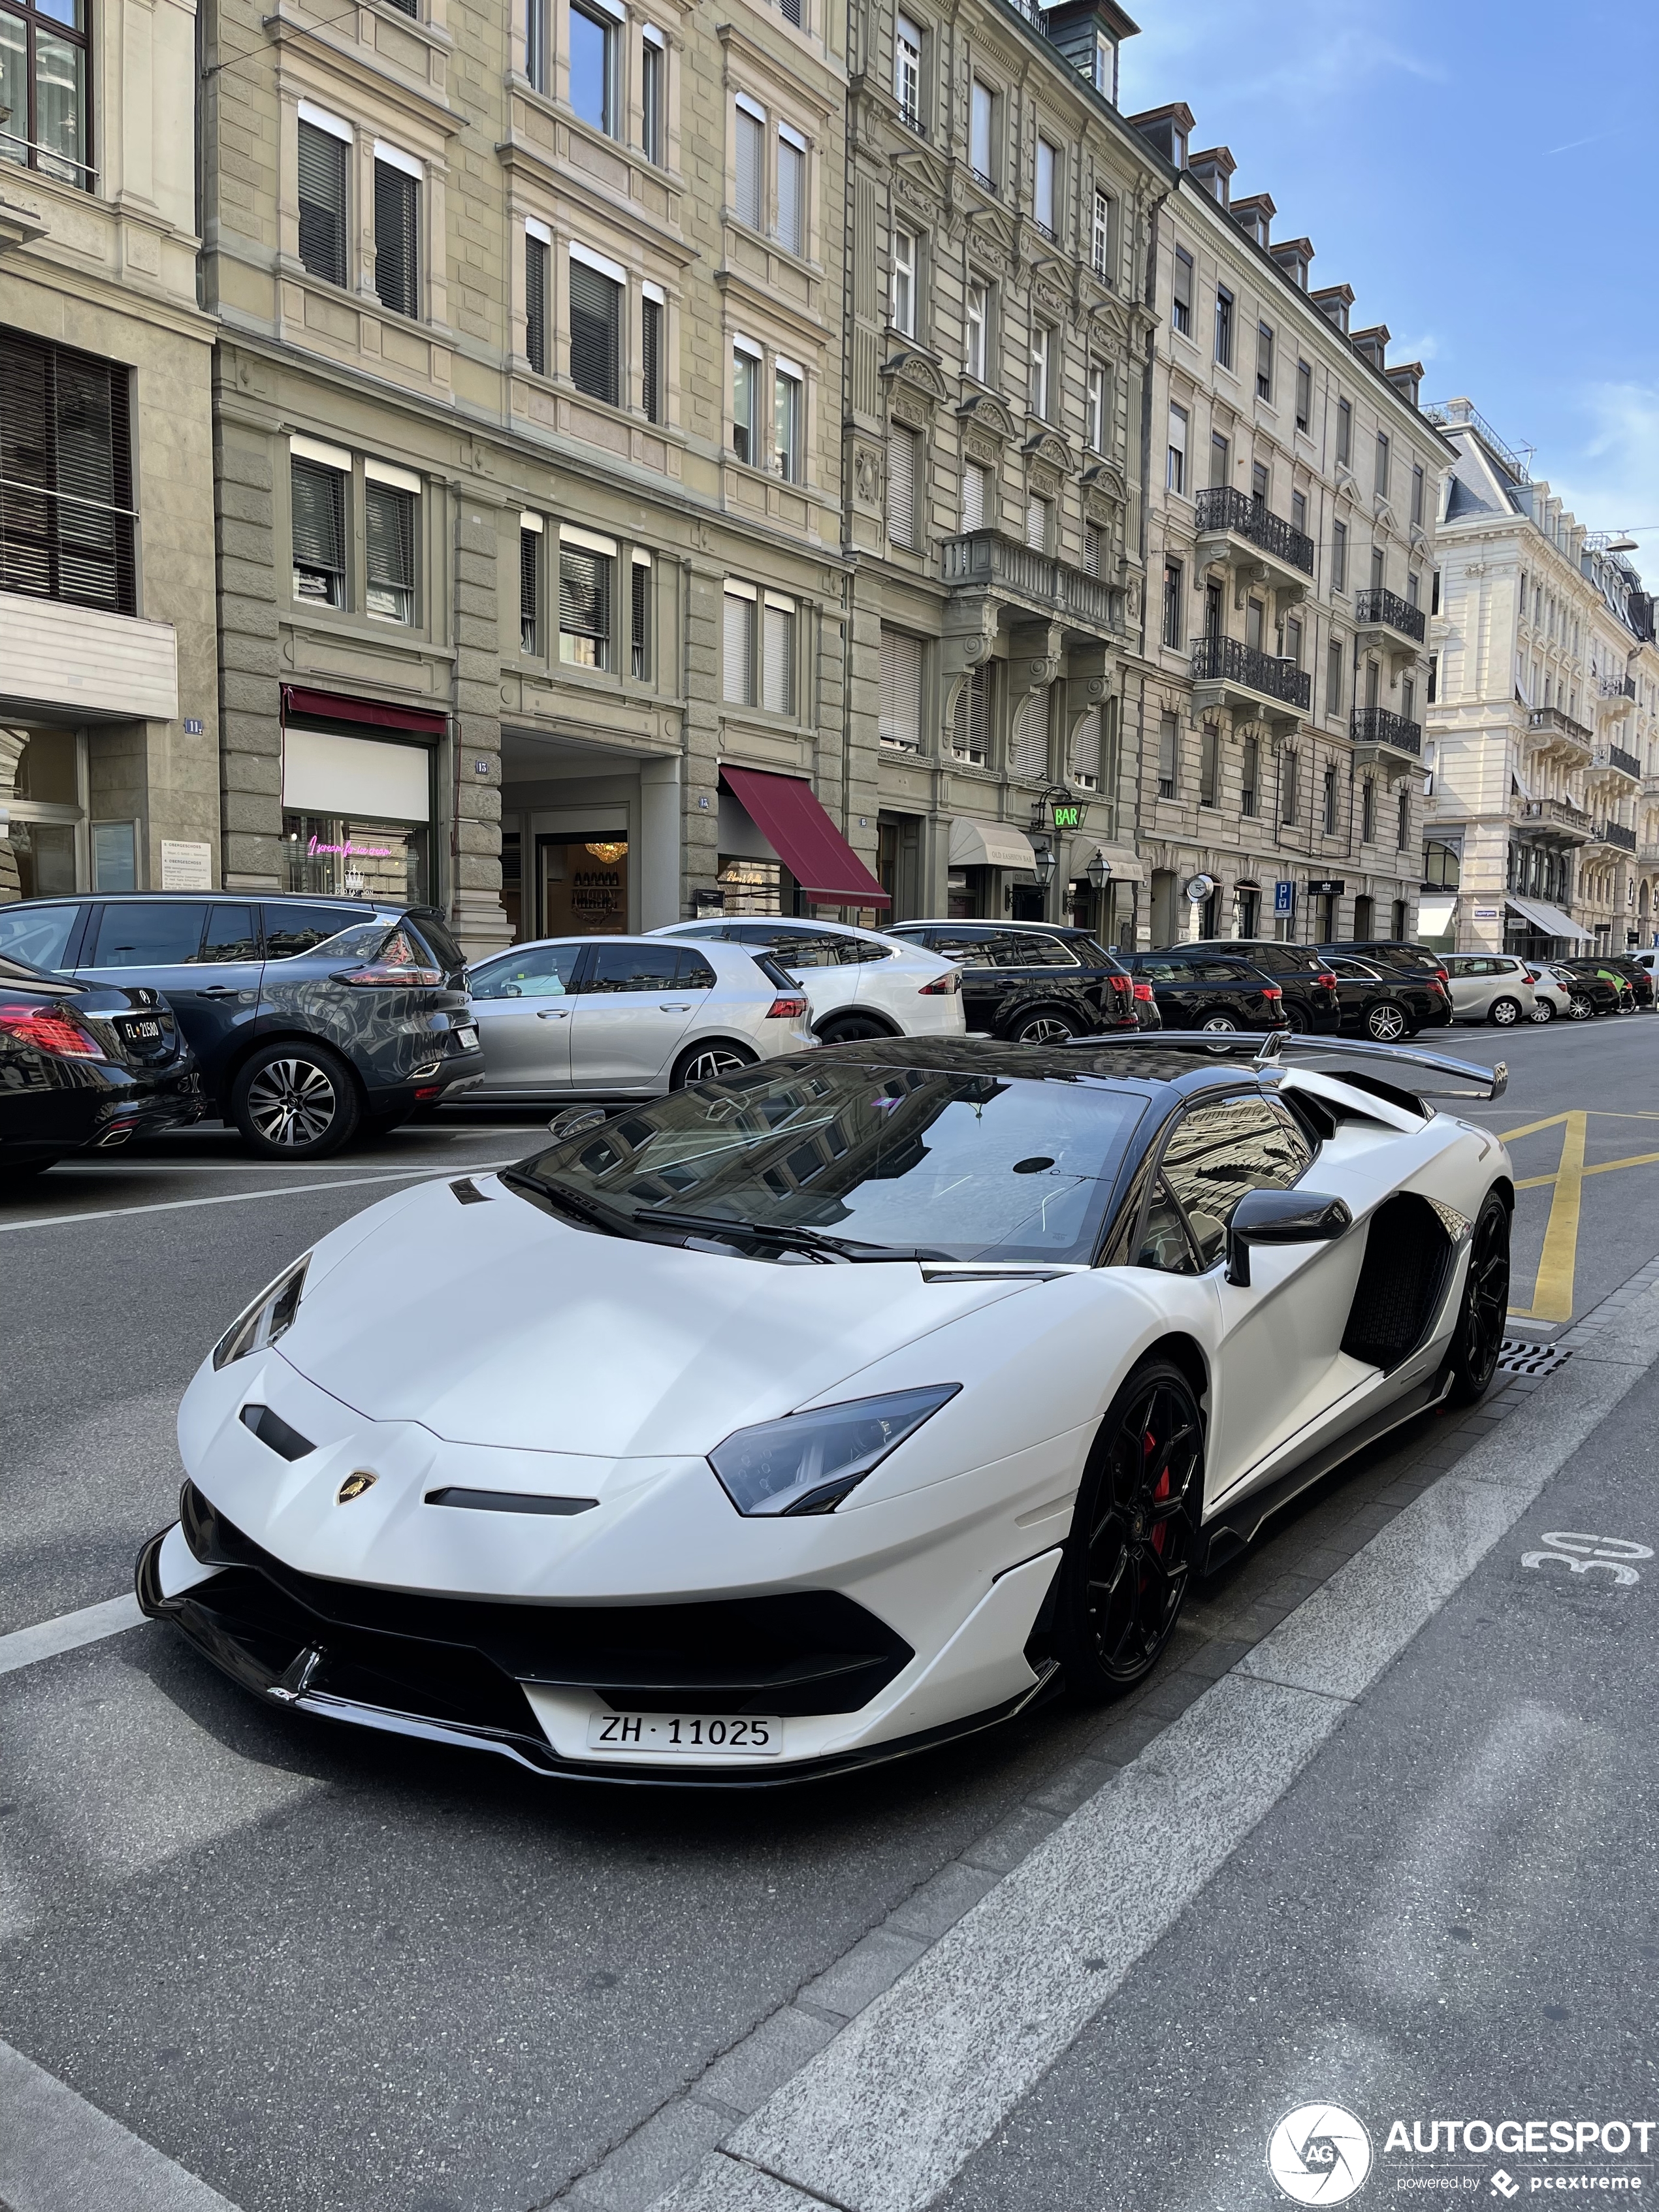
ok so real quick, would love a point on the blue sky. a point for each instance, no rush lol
(1482, 175)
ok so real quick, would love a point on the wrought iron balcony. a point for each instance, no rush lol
(1547, 722)
(1374, 608)
(1618, 687)
(1223, 509)
(1376, 725)
(1615, 757)
(985, 560)
(1229, 661)
(1557, 817)
(1615, 834)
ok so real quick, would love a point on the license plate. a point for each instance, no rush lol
(747, 1735)
(141, 1031)
(466, 1038)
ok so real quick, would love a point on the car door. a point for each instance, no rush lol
(983, 991)
(523, 1001)
(164, 944)
(1280, 1362)
(633, 1006)
(1055, 973)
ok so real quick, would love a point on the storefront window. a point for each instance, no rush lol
(43, 854)
(752, 886)
(348, 857)
(583, 885)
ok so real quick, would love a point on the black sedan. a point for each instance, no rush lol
(1388, 1003)
(1633, 973)
(85, 1066)
(1195, 989)
(1302, 973)
(1598, 985)
(1031, 983)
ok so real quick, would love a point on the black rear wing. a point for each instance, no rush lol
(1453, 1079)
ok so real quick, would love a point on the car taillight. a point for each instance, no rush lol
(1272, 991)
(942, 986)
(49, 1032)
(399, 964)
(787, 1009)
(1144, 991)
(1442, 976)
(1325, 980)
(1123, 985)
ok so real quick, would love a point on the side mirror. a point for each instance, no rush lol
(1281, 1217)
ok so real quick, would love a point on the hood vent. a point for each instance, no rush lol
(275, 1434)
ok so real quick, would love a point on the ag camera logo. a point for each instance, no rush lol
(1319, 2154)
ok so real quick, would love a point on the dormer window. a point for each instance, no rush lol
(1105, 75)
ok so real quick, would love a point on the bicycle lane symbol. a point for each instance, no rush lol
(1581, 1554)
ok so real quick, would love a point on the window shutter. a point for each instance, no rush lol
(389, 532)
(739, 684)
(639, 620)
(791, 178)
(319, 504)
(530, 578)
(1037, 524)
(323, 203)
(1028, 740)
(973, 496)
(595, 325)
(1094, 540)
(536, 258)
(1085, 751)
(901, 486)
(792, 11)
(778, 660)
(901, 689)
(970, 729)
(585, 596)
(651, 362)
(751, 162)
(397, 226)
(1264, 360)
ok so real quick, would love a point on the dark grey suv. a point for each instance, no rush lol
(311, 1019)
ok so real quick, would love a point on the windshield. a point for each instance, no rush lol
(960, 1166)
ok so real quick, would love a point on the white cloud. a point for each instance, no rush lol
(1425, 348)
(1318, 48)
(1610, 478)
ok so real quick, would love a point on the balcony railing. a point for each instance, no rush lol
(1615, 833)
(1550, 721)
(1375, 725)
(1557, 814)
(1615, 756)
(1373, 604)
(1228, 660)
(984, 560)
(1619, 687)
(1223, 509)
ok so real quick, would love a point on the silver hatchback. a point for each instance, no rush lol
(1489, 987)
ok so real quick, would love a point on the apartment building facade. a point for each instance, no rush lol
(108, 695)
(1542, 833)
(1292, 491)
(527, 457)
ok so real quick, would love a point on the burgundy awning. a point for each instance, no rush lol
(336, 706)
(788, 816)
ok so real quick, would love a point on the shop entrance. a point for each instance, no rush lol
(583, 883)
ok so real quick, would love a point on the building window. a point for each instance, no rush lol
(906, 71)
(900, 691)
(902, 485)
(1094, 550)
(595, 299)
(316, 495)
(536, 45)
(970, 725)
(1434, 677)
(639, 617)
(1442, 865)
(1173, 611)
(1095, 408)
(778, 654)
(792, 190)
(1042, 347)
(1083, 768)
(1382, 486)
(1046, 207)
(653, 107)
(1174, 475)
(1344, 432)
(396, 232)
(1101, 245)
(389, 546)
(1413, 590)
(43, 88)
(745, 383)
(1368, 812)
(1299, 512)
(1259, 482)
(1181, 297)
(1289, 791)
(324, 147)
(1329, 811)
(1249, 775)
(1338, 556)
(1039, 522)
(1028, 739)
(586, 568)
(537, 256)
(742, 611)
(1420, 492)
(1293, 639)
(1169, 755)
(982, 119)
(593, 68)
(1223, 326)
(531, 532)
(903, 307)
(978, 314)
(66, 512)
(1209, 740)
(1304, 396)
(975, 486)
(1264, 362)
(750, 124)
(651, 364)
(1403, 829)
(1407, 699)
(786, 421)
(1334, 678)
(1220, 461)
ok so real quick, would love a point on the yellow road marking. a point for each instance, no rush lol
(1600, 1167)
(1551, 1298)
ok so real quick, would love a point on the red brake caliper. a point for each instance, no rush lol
(1161, 1529)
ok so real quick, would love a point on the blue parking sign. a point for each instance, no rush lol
(1283, 898)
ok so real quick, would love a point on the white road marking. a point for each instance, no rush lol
(59, 2154)
(25, 1646)
(1572, 1548)
(427, 1171)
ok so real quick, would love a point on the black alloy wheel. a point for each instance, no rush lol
(1043, 1029)
(851, 1029)
(295, 1101)
(1385, 1022)
(1504, 1013)
(1295, 1020)
(705, 1061)
(1134, 1534)
(1485, 1307)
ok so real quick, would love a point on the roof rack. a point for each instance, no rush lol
(1466, 1078)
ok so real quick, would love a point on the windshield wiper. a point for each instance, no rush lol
(801, 1240)
(611, 1218)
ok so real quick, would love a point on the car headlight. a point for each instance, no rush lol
(270, 1315)
(807, 1462)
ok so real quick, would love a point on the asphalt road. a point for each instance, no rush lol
(322, 1971)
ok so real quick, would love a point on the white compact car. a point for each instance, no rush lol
(1550, 999)
(627, 1017)
(1492, 987)
(814, 1414)
(859, 983)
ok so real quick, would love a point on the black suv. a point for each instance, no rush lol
(1302, 973)
(1030, 983)
(1392, 952)
(1195, 987)
(310, 1018)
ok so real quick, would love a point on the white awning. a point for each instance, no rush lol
(1125, 864)
(1434, 916)
(990, 845)
(1549, 919)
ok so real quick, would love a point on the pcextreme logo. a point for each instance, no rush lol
(1319, 2154)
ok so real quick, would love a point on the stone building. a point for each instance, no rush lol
(108, 707)
(1293, 487)
(527, 456)
(1543, 827)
